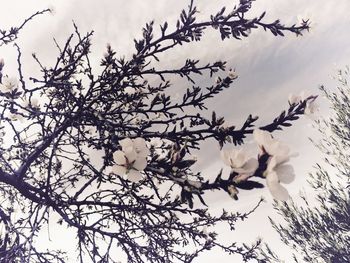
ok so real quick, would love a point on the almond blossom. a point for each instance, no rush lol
(16, 117)
(270, 145)
(277, 171)
(132, 159)
(239, 162)
(311, 106)
(232, 74)
(34, 103)
(130, 91)
(8, 84)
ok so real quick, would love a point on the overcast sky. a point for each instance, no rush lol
(269, 68)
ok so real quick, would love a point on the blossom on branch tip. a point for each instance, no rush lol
(311, 106)
(270, 145)
(232, 74)
(232, 190)
(8, 84)
(239, 161)
(294, 99)
(34, 102)
(16, 117)
(277, 170)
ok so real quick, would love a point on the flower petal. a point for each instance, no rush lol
(273, 162)
(125, 143)
(134, 176)
(251, 165)
(130, 154)
(225, 157)
(285, 173)
(294, 99)
(140, 163)
(119, 157)
(263, 138)
(238, 158)
(139, 143)
(276, 189)
(141, 147)
(119, 170)
(277, 148)
(311, 108)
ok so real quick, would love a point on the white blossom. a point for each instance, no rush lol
(8, 84)
(294, 99)
(34, 102)
(16, 117)
(277, 171)
(132, 159)
(239, 161)
(270, 145)
(130, 91)
(232, 74)
(311, 106)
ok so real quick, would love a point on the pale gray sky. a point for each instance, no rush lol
(269, 68)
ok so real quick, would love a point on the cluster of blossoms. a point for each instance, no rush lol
(311, 105)
(277, 170)
(10, 90)
(131, 160)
